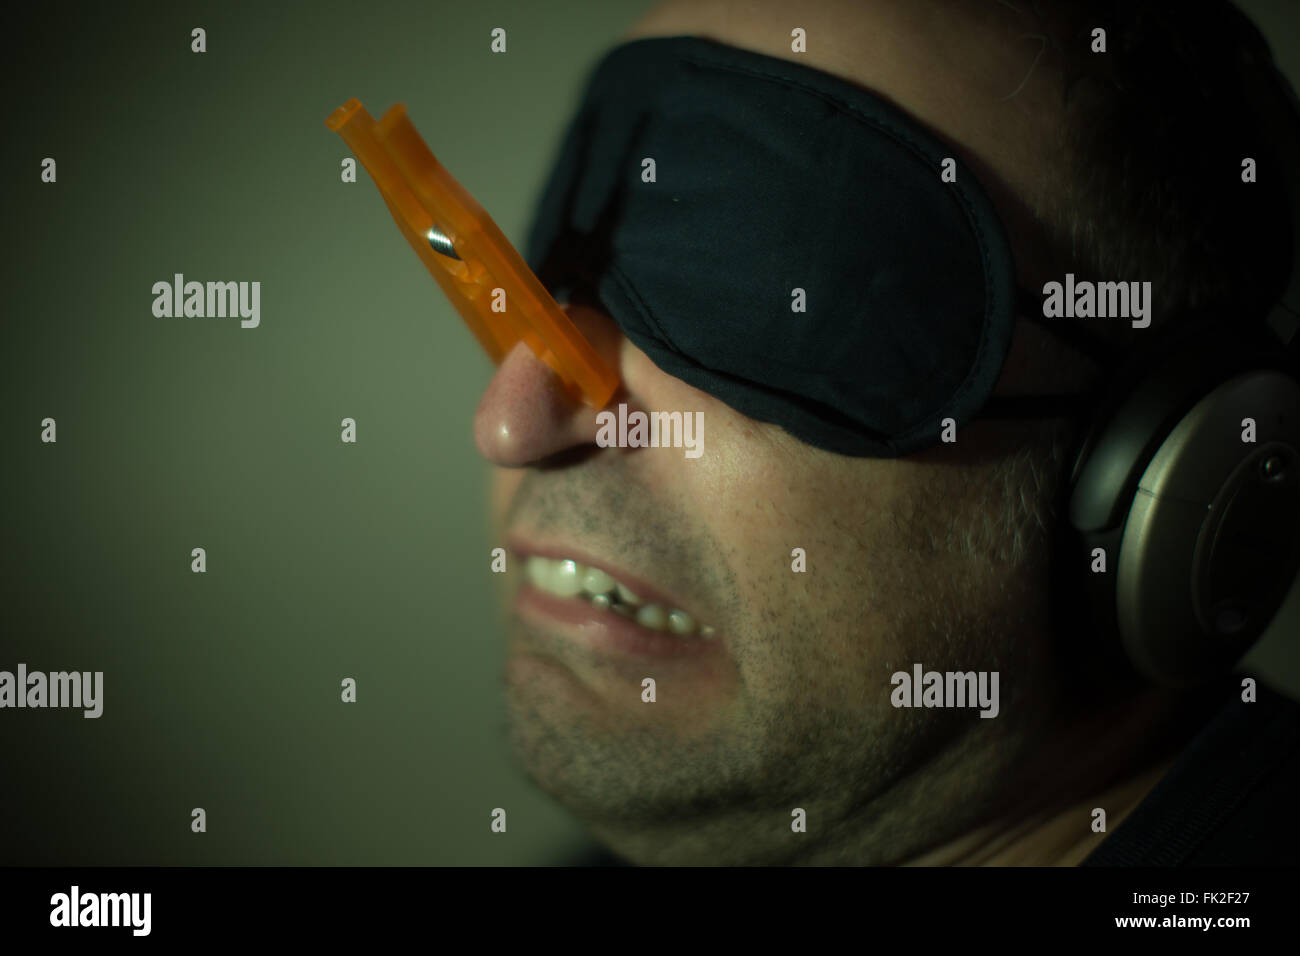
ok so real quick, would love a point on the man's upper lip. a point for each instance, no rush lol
(647, 592)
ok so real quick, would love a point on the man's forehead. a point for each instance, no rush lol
(975, 72)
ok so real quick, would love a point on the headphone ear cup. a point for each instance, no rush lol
(1198, 538)
(1211, 542)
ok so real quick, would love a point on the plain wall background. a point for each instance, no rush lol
(325, 560)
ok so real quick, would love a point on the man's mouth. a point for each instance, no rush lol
(569, 578)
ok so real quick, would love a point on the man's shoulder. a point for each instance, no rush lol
(1228, 799)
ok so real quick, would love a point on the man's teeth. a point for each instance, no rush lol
(627, 597)
(596, 581)
(565, 578)
(652, 616)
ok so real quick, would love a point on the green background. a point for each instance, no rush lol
(325, 560)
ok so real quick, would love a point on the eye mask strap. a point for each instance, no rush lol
(1035, 406)
(1069, 405)
(1030, 305)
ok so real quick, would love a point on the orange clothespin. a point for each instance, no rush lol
(467, 254)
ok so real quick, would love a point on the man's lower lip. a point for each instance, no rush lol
(605, 631)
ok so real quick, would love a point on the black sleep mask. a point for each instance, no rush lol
(777, 186)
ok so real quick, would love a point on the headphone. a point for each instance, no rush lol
(1189, 524)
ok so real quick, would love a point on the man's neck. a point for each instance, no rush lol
(1057, 829)
(1060, 837)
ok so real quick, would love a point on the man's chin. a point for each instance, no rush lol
(559, 731)
(596, 746)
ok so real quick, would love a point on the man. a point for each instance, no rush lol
(771, 731)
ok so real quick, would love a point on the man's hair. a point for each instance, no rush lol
(1155, 130)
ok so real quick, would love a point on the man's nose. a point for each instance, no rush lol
(526, 415)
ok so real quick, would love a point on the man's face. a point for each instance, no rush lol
(787, 705)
